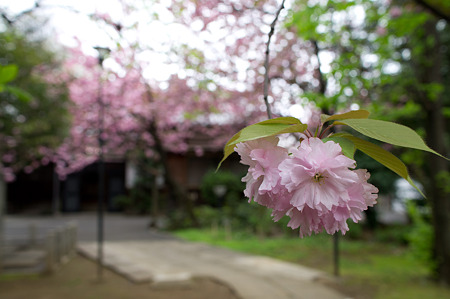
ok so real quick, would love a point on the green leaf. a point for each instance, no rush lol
(263, 129)
(324, 117)
(21, 94)
(389, 132)
(380, 155)
(348, 148)
(8, 73)
(348, 115)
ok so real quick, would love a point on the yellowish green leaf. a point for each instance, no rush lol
(324, 117)
(389, 132)
(348, 115)
(380, 155)
(8, 73)
(347, 146)
(263, 129)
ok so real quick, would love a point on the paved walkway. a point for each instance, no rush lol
(143, 255)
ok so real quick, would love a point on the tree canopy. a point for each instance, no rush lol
(33, 114)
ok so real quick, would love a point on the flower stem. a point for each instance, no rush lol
(324, 131)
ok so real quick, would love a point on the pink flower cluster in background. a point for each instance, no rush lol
(315, 184)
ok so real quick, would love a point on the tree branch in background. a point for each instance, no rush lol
(11, 20)
(266, 62)
(436, 11)
(322, 83)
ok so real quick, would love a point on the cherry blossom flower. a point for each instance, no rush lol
(263, 177)
(318, 175)
(315, 185)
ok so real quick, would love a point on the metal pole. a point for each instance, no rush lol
(3, 195)
(101, 188)
(56, 188)
(336, 253)
(101, 169)
(102, 52)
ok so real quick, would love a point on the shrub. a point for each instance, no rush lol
(214, 183)
(421, 236)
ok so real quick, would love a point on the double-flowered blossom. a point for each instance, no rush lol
(263, 180)
(314, 184)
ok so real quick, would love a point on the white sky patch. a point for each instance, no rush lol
(326, 58)
(299, 112)
(357, 15)
(391, 67)
(354, 106)
(111, 64)
(155, 35)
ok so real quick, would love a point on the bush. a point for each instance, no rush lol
(123, 202)
(396, 234)
(246, 217)
(225, 182)
(421, 237)
(232, 207)
(207, 215)
(355, 230)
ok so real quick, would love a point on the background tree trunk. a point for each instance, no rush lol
(2, 217)
(177, 190)
(430, 72)
(440, 200)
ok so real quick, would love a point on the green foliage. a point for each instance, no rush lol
(348, 147)
(380, 155)
(389, 132)
(246, 218)
(232, 207)
(356, 114)
(368, 269)
(421, 237)
(256, 219)
(380, 176)
(384, 131)
(123, 202)
(208, 216)
(392, 57)
(140, 196)
(263, 129)
(33, 110)
(443, 181)
(7, 73)
(137, 202)
(395, 234)
(228, 183)
(355, 231)
(178, 219)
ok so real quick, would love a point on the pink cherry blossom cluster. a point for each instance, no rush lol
(315, 184)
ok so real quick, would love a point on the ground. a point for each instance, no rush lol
(78, 279)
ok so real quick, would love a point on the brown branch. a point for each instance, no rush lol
(435, 11)
(6, 18)
(322, 83)
(266, 62)
(37, 5)
(291, 81)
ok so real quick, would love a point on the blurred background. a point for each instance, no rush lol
(129, 103)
